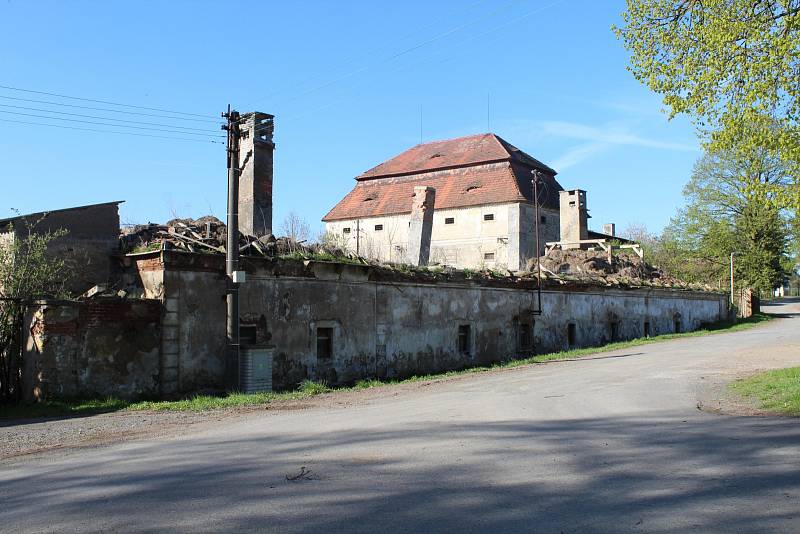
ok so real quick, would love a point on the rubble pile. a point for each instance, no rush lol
(589, 265)
(208, 235)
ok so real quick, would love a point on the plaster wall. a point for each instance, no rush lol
(469, 241)
(394, 329)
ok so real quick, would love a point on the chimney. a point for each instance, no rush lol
(420, 225)
(574, 217)
(255, 181)
(610, 229)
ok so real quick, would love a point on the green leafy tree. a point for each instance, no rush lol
(725, 213)
(733, 66)
(26, 272)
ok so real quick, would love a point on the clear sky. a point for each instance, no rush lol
(348, 83)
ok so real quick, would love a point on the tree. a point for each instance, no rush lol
(26, 272)
(295, 227)
(725, 213)
(730, 65)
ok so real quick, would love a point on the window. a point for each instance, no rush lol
(488, 256)
(463, 338)
(647, 329)
(324, 343)
(614, 330)
(378, 227)
(525, 336)
(543, 219)
(248, 334)
(449, 220)
(677, 321)
(488, 217)
(345, 230)
(571, 334)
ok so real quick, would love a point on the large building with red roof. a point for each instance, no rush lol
(484, 211)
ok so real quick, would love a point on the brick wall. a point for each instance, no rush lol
(99, 347)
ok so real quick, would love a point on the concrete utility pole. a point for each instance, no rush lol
(232, 249)
(537, 176)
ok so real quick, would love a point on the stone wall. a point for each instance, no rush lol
(387, 326)
(98, 347)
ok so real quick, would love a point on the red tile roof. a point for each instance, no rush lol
(468, 171)
(452, 153)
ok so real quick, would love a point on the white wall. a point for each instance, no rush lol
(466, 243)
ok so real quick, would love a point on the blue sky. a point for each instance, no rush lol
(346, 81)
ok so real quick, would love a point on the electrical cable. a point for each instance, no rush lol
(10, 88)
(106, 124)
(111, 131)
(104, 109)
(106, 118)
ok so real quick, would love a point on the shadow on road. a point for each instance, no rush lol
(610, 474)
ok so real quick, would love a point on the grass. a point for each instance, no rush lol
(310, 389)
(777, 391)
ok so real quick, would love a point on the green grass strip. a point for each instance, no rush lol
(309, 388)
(776, 391)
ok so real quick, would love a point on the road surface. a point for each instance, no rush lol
(614, 443)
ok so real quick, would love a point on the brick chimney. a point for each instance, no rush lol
(574, 217)
(255, 181)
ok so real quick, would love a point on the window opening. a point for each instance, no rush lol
(463, 338)
(324, 343)
(449, 220)
(571, 334)
(488, 217)
(378, 227)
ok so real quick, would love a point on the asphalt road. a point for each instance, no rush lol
(610, 444)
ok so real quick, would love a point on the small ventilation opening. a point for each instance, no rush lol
(463, 338)
(614, 331)
(368, 199)
(678, 325)
(647, 329)
(572, 332)
(248, 334)
(525, 336)
(378, 227)
(345, 230)
(543, 219)
(324, 343)
(488, 217)
(449, 220)
(472, 188)
(437, 155)
(488, 256)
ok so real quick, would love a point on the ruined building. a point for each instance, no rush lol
(161, 328)
(483, 213)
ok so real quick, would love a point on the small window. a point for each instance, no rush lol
(647, 329)
(463, 338)
(345, 230)
(571, 334)
(614, 331)
(678, 325)
(525, 336)
(488, 217)
(324, 343)
(488, 256)
(543, 219)
(449, 220)
(378, 227)
(248, 334)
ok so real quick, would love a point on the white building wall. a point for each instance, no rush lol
(469, 241)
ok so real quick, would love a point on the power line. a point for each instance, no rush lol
(100, 101)
(106, 124)
(111, 131)
(139, 113)
(106, 118)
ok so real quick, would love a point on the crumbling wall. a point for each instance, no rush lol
(98, 347)
(387, 327)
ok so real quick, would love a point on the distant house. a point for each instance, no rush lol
(92, 239)
(484, 209)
